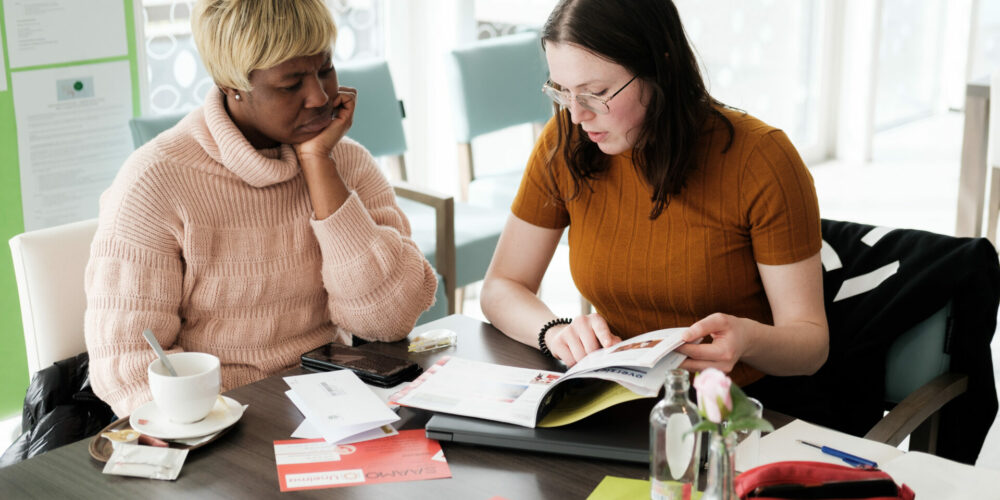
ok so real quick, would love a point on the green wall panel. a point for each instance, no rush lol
(13, 359)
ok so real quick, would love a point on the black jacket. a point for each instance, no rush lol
(59, 408)
(848, 391)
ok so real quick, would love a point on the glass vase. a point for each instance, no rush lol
(721, 468)
(673, 449)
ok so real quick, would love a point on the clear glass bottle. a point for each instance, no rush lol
(673, 451)
(721, 473)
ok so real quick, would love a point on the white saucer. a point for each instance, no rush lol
(148, 420)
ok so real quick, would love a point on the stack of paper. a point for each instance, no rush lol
(929, 476)
(339, 407)
(783, 445)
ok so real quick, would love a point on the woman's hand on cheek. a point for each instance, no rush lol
(729, 341)
(343, 117)
(584, 335)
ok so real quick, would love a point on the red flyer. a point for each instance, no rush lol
(309, 464)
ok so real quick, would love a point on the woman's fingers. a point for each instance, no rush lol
(702, 351)
(344, 104)
(695, 366)
(602, 331)
(706, 326)
(583, 336)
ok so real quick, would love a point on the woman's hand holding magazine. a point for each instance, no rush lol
(632, 369)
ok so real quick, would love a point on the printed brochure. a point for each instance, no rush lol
(632, 369)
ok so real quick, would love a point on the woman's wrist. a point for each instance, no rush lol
(327, 190)
(542, 345)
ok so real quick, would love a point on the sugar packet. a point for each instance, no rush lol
(146, 461)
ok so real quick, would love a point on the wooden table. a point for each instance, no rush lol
(241, 463)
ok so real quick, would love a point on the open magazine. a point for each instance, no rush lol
(631, 369)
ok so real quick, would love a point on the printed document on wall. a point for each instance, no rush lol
(72, 137)
(3, 69)
(59, 31)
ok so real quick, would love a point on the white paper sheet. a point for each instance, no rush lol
(338, 404)
(59, 31)
(3, 68)
(941, 479)
(306, 430)
(384, 393)
(927, 475)
(782, 445)
(72, 137)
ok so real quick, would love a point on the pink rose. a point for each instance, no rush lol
(714, 399)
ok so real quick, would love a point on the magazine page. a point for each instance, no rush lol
(641, 351)
(563, 406)
(645, 382)
(585, 401)
(477, 389)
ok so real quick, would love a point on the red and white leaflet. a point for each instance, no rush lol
(408, 456)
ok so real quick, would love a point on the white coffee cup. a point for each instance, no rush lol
(189, 396)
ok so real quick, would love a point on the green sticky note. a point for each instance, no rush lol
(621, 488)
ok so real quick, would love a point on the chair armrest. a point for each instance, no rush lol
(918, 407)
(444, 214)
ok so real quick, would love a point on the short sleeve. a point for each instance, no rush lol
(538, 199)
(780, 202)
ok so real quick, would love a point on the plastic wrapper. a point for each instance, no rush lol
(146, 461)
(434, 339)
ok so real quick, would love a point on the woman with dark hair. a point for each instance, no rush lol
(681, 211)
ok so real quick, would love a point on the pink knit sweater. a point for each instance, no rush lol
(213, 245)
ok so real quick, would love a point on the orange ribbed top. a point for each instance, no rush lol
(212, 245)
(754, 203)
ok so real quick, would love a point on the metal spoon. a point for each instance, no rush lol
(148, 334)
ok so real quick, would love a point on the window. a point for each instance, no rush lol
(178, 82)
(909, 61)
(765, 57)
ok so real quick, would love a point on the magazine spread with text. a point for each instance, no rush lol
(632, 369)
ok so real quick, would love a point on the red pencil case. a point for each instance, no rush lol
(818, 480)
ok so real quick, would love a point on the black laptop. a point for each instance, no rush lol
(617, 433)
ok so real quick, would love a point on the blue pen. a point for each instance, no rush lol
(852, 460)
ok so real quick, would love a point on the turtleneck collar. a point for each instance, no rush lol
(227, 145)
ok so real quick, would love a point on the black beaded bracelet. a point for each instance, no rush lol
(541, 335)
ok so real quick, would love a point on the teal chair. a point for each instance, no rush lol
(916, 311)
(918, 384)
(496, 84)
(434, 228)
(378, 125)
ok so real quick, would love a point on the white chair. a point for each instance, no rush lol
(49, 269)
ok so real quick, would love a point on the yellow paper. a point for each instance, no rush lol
(620, 488)
(578, 405)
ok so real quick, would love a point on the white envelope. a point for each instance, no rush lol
(307, 430)
(338, 404)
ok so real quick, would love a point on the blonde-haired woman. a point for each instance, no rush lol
(252, 230)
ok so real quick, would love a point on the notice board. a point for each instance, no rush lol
(69, 82)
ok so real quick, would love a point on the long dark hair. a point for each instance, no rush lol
(647, 38)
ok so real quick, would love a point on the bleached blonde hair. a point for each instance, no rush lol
(235, 37)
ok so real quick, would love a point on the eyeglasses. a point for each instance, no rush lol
(590, 102)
